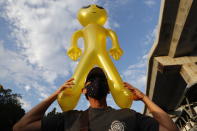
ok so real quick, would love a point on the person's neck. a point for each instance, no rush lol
(94, 103)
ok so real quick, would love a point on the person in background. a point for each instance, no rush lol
(99, 116)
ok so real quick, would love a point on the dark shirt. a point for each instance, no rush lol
(107, 119)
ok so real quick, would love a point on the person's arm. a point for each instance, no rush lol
(165, 122)
(31, 121)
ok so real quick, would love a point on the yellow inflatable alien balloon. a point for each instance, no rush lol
(93, 17)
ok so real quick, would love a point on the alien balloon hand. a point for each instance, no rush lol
(74, 53)
(116, 53)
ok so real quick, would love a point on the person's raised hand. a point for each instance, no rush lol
(137, 94)
(67, 84)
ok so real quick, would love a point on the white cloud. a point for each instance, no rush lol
(50, 76)
(136, 74)
(150, 37)
(43, 95)
(42, 30)
(15, 66)
(116, 25)
(15, 69)
(114, 3)
(150, 3)
(27, 87)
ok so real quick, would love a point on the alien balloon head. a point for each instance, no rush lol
(92, 14)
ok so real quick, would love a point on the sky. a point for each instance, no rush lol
(35, 35)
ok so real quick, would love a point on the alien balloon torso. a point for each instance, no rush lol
(98, 35)
(93, 17)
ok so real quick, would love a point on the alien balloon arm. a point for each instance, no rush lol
(114, 38)
(75, 38)
(116, 52)
(74, 52)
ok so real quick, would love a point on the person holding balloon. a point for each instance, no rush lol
(99, 116)
(95, 77)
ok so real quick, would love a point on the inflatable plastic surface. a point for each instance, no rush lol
(93, 17)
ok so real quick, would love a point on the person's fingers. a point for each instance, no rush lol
(66, 86)
(63, 87)
(126, 83)
(69, 83)
(87, 83)
(132, 90)
(135, 98)
(71, 79)
(129, 85)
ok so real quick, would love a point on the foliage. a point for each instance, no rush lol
(10, 109)
(53, 112)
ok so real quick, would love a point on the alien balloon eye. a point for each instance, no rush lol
(99, 7)
(84, 7)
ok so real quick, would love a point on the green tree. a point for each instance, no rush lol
(53, 112)
(10, 109)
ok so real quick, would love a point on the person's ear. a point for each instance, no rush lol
(84, 91)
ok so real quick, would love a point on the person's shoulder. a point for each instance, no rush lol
(123, 111)
(73, 111)
(72, 115)
(127, 110)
